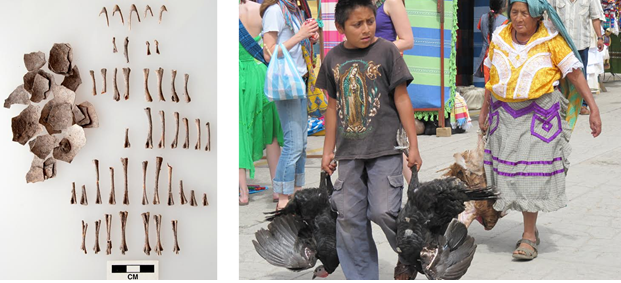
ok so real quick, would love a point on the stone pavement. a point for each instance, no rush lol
(581, 241)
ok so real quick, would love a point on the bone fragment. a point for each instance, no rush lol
(73, 81)
(84, 228)
(176, 248)
(34, 61)
(185, 89)
(73, 197)
(193, 201)
(117, 95)
(132, 10)
(158, 226)
(61, 59)
(57, 114)
(162, 9)
(147, 94)
(96, 247)
(145, 221)
(182, 195)
(18, 96)
(84, 198)
(149, 143)
(104, 71)
(205, 202)
(127, 144)
(125, 47)
(148, 48)
(157, 46)
(160, 73)
(162, 143)
(108, 228)
(198, 130)
(158, 167)
(123, 215)
(174, 143)
(126, 195)
(105, 12)
(98, 199)
(43, 145)
(186, 144)
(126, 72)
(171, 201)
(148, 9)
(175, 98)
(112, 198)
(114, 50)
(145, 201)
(208, 147)
(117, 9)
(93, 79)
(26, 124)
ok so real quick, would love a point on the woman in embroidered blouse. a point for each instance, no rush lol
(530, 120)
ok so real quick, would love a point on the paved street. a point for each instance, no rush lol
(581, 241)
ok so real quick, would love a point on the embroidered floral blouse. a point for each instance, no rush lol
(522, 72)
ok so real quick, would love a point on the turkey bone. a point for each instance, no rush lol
(175, 98)
(123, 215)
(149, 143)
(145, 201)
(84, 198)
(105, 12)
(125, 47)
(160, 73)
(147, 94)
(126, 194)
(186, 144)
(117, 9)
(182, 195)
(176, 248)
(112, 198)
(205, 202)
(158, 168)
(127, 144)
(96, 247)
(132, 10)
(126, 72)
(74, 200)
(198, 129)
(108, 229)
(114, 50)
(93, 79)
(157, 46)
(193, 201)
(158, 226)
(145, 221)
(185, 89)
(162, 9)
(84, 228)
(117, 95)
(148, 9)
(163, 136)
(148, 48)
(208, 147)
(104, 71)
(98, 199)
(171, 201)
(174, 143)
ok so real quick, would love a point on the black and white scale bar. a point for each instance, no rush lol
(127, 268)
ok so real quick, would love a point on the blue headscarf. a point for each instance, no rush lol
(536, 9)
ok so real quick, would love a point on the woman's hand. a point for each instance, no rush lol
(328, 164)
(307, 30)
(414, 158)
(483, 122)
(595, 122)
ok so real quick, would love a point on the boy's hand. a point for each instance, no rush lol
(414, 159)
(328, 164)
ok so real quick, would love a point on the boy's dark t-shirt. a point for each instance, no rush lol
(363, 82)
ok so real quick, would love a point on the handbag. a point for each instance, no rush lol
(282, 81)
(317, 103)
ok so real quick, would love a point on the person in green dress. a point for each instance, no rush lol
(259, 125)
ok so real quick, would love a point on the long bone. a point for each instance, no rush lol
(125, 160)
(73, 197)
(96, 247)
(117, 9)
(174, 143)
(193, 201)
(148, 9)
(126, 72)
(104, 72)
(182, 195)
(127, 144)
(105, 12)
(158, 167)
(157, 46)
(125, 47)
(208, 147)
(205, 202)
(108, 229)
(84, 198)
(84, 228)
(171, 201)
(158, 226)
(186, 144)
(185, 89)
(176, 248)
(160, 73)
(133, 9)
(162, 9)
(145, 200)
(98, 198)
(123, 215)
(112, 198)
(93, 79)
(162, 143)
(175, 98)
(149, 143)
(145, 221)
(147, 94)
(148, 48)
(117, 95)
(198, 130)
(114, 50)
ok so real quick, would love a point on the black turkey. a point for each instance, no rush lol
(302, 232)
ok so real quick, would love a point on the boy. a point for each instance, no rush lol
(366, 79)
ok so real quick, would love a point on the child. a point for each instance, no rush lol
(366, 79)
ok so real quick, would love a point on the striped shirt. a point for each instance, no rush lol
(578, 16)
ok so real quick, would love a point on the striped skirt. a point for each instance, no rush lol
(526, 153)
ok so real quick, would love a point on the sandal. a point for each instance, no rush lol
(405, 272)
(241, 203)
(528, 254)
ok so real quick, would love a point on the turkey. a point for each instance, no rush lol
(468, 168)
(429, 238)
(302, 232)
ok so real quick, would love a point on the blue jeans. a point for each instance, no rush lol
(584, 54)
(290, 169)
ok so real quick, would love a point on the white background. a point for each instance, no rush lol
(40, 231)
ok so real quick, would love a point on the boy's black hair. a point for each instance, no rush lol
(344, 7)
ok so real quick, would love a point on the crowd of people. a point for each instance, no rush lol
(533, 63)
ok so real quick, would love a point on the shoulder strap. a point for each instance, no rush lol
(249, 44)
